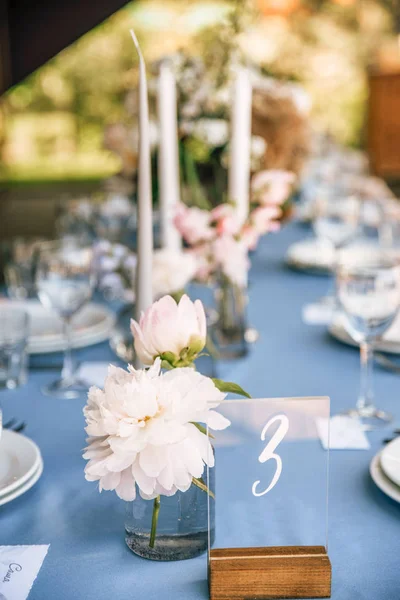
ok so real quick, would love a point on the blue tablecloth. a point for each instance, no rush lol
(88, 559)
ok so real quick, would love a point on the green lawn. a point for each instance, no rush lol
(79, 169)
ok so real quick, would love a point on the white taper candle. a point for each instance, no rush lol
(240, 144)
(144, 296)
(168, 157)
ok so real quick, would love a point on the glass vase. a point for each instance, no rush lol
(228, 334)
(182, 525)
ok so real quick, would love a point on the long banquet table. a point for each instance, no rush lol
(88, 559)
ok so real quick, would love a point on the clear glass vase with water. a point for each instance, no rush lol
(182, 524)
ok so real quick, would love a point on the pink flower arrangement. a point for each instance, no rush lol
(272, 187)
(220, 241)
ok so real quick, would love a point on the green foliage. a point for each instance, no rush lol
(229, 386)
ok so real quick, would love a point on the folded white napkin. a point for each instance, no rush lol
(317, 314)
(19, 566)
(93, 373)
(342, 433)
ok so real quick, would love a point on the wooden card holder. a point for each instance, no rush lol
(275, 572)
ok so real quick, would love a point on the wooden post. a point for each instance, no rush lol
(5, 56)
(384, 123)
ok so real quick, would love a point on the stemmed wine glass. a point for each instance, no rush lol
(335, 224)
(368, 291)
(64, 281)
(336, 219)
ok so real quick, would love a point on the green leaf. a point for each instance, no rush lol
(202, 429)
(202, 486)
(229, 386)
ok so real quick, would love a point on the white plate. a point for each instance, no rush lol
(390, 341)
(19, 458)
(390, 461)
(383, 482)
(316, 256)
(25, 487)
(93, 324)
(310, 255)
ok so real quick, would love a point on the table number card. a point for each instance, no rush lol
(268, 519)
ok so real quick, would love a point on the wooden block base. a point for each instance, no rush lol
(276, 572)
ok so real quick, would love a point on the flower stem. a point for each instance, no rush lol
(154, 520)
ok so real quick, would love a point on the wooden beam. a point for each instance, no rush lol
(5, 58)
(37, 31)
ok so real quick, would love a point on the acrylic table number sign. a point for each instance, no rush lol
(270, 502)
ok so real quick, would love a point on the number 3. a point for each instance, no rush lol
(269, 451)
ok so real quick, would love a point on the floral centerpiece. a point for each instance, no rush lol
(221, 244)
(148, 432)
(280, 138)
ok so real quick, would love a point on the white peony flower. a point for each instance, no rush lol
(172, 271)
(258, 149)
(142, 430)
(213, 132)
(176, 332)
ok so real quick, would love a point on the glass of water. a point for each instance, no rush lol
(64, 281)
(335, 224)
(14, 331)
(336, 219)
(368, 290)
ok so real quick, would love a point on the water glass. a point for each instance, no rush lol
(20, 281)
(368, 290)
(14, 331)
(65, 280)
(337, 220)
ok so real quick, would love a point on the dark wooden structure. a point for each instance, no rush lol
(384, 124)
(33, 31)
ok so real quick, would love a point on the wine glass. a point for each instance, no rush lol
(335, 224)
(368, 291)
(336, 219)
(64, 281)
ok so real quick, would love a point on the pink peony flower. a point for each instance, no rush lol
(250, 236)
(226, 219)
(272, 187)
(230, 255)
(204, 263)
(263, 219)
(193, 224)
(175, 332)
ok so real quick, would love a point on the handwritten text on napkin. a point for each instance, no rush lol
(19, 566)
